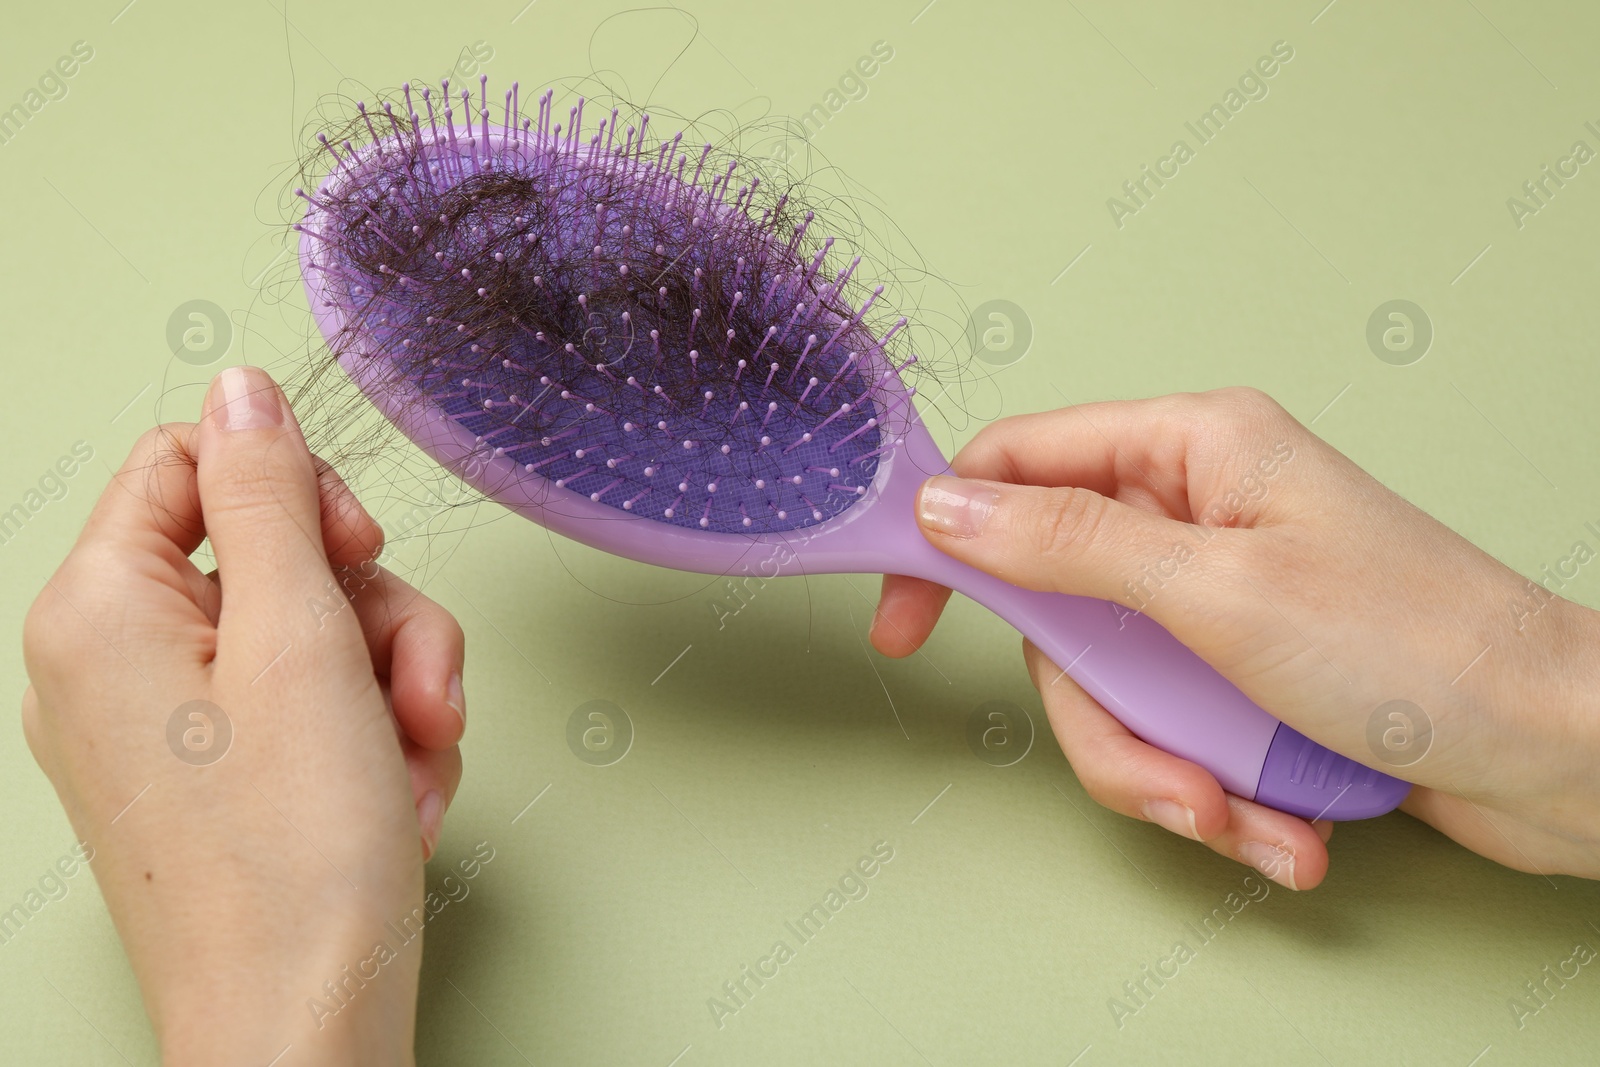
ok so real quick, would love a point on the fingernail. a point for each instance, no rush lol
(430, 810)
(954, 506)
(244, 398)
(1171, 815)
(1274, 862)
(456, 698)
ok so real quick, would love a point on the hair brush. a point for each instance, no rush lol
(614, 341)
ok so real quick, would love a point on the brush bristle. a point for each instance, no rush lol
(618, 321)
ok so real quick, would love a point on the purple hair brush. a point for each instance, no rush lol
(617, 343)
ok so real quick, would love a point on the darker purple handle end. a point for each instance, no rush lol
(1305, 779)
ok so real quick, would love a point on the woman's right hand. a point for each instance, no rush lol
(1317, 591)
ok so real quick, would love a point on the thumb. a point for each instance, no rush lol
(260, 499)
(1065, 540)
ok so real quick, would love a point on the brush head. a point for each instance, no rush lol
(618, 322)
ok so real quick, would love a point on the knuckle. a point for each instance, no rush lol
(82, 610)
(1067, 520)
(151, 439)
(147, 442)
(45, 631)
(1245, 405)
(1112, 771)
(438, 620)
(161, 440)
(254, 488)
(1099, 782)
(451, 626)
(33, 724)
(979, 455)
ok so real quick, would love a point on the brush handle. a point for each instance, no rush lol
(1170, 697)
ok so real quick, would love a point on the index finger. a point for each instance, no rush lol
(1171, 454)
(154, 498)
(152, 495)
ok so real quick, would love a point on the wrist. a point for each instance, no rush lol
(1548, 697)
(1576, 678)
(338, 999)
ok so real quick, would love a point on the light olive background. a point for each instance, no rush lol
(776, 750)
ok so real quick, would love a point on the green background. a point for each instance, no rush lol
(769, 758)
